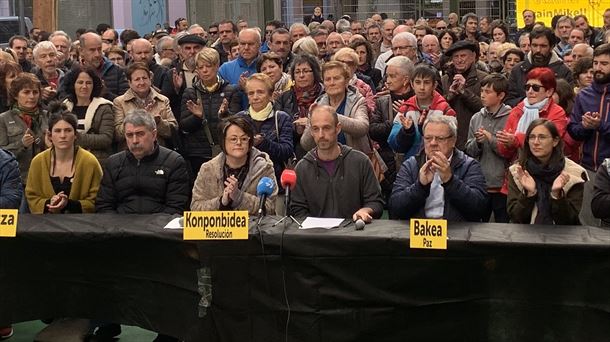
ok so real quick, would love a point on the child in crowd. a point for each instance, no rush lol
(481, 143)
(407, 127)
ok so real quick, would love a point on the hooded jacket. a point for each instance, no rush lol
(409, 196)
(493, 164)
(596, 142)
(353, 186)
(209, 185)
(354, 122)
(517, 78)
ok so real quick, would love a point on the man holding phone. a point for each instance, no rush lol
(592, 126)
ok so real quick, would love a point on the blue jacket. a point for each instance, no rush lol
(11, 189)
(596, 146)
(231, 71)
(465, 194)
(277, 133)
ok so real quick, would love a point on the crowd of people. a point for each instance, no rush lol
(456, 119)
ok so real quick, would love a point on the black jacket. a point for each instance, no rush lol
(158, 183)
(194, 140)
(600, 204)
(516, 81)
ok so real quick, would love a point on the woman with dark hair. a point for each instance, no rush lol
(95, 114)
(539, 88)
(544, 187)
(270, 64)
(446, 39)
(499, 32)
(305, 72)
(564, 97)
(8, 72)
(23, 127)
(365, 60)
(229, 180)
(583, 73)
(511, 58)
(64, 178)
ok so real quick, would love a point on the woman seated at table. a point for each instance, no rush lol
(229, 180)
(94, 113)
(64, 178)
(545, 187)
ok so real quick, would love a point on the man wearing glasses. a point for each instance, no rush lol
(434, 183)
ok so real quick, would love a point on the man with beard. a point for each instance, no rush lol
(590, 123)
(540, 55)
(462, 85)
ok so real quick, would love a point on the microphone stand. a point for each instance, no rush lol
(287, 214)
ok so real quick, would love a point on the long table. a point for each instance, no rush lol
(496, 282)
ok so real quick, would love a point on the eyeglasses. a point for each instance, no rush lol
(535, 87)
(108, 41)
(242, 140)
(442, 28)
(539, 137)
(440, 140)
(213, 32)
(303, 72)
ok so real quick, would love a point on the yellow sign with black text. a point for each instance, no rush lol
(428, 233)
(215, 225)
(8, 222)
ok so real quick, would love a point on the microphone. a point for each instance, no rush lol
(359, 224)
(264, 189)
(288, 181)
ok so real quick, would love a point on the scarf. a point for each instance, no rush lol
(306, 97)
(146, 103)
(263, 115)
(283, 83)
(545, 176)
(212, 88)
(530, 113)
(27, 115)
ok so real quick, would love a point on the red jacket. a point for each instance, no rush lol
(551, 111)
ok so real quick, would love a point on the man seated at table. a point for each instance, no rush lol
(334, 180)
(147, 178)
(440, 182)
(600, 204)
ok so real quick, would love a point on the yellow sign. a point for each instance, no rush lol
(545, 10)
(8, 222)
(430, 234)
(215, 225)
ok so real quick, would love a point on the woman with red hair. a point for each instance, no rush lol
(539, 86)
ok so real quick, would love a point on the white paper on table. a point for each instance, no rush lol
(321, 222)
(174, 224)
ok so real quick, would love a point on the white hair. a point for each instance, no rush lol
(44, 45)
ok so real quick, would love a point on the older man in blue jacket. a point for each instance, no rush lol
(442, 182)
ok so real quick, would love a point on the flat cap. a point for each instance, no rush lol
(462, 45)
(192, 39)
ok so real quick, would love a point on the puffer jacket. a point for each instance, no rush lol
(354, 122)
(98, 133)
(209, 185)
(194, 139)
(158, 183)
(115, 80)
(10, 181)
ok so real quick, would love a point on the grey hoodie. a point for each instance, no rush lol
(492, 163)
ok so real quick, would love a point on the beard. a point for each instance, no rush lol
(601, 78)
(540, 60)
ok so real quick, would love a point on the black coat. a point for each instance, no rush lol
(194, 140)
(158, 183)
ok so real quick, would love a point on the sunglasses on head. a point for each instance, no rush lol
(536, 87)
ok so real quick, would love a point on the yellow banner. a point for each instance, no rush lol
(215, 225)
(8, 222)
(428, 234)
(546, 9)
